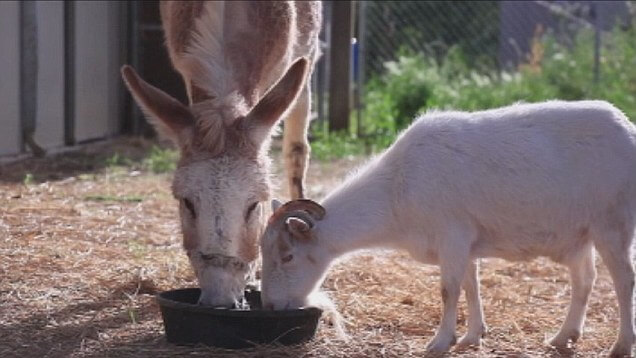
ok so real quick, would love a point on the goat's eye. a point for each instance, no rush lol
(287, 258)
(250, 210)
(188, 204)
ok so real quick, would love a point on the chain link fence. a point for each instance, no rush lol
(388, 28)
(488, 36)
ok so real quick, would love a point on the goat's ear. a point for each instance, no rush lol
(171, 118)
(262, 118)
(298, 228)
(276, 204)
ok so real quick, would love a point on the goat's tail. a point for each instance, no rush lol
(322, 300)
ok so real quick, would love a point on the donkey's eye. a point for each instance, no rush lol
(250, 210)
(188, 204)
(287, 258)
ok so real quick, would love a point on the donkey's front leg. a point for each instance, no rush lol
(454, 259)
(295, 144)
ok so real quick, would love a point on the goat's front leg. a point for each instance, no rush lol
(453, 257)
(476, 325)
(295, 144)
(582, 276)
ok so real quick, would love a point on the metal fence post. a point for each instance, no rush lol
(597, 40)
(340, 75)
(362, 21)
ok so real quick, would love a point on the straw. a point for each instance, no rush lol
(78, 275)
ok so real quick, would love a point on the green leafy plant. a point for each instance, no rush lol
(161, 160)
(28, 179)
(415, 83)
(118, 160)
(336, 145)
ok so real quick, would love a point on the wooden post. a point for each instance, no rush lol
(340, 64)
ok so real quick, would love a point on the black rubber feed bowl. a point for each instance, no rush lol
(187, 323)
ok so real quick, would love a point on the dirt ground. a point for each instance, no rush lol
(85, 246)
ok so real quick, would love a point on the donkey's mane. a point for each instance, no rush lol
(204, 56)
(230, 53)
(238, 46)
(215, 120)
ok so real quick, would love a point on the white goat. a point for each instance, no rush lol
(554, 179)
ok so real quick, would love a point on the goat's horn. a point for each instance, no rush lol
(299, 214)
(296, 208)
(313, 208)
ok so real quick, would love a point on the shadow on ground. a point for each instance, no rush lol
(102, 327)
(89, 158)
(62, 332)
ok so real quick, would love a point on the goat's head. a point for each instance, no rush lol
(222, 177)
(293, 262)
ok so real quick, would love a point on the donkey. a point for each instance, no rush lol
(245, 66)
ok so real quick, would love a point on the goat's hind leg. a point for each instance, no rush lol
(295, 144)
(476, 325)
(615, 249)
(582, 276)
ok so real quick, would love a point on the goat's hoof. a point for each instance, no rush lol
(440, 344)
(562, 340)
(469, 340)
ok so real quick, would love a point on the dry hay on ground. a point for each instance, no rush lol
(83, 255)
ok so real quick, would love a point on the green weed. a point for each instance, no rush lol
(28, 179)
(103, 197)
(161, 160)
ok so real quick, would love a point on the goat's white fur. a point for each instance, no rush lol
(554, 179)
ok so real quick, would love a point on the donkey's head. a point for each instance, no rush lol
(222, 177)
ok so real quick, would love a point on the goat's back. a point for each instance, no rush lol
(529, 174)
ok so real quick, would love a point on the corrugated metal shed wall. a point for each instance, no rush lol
(96, 64)
(96, 46)
(50, 87)
(9, 77)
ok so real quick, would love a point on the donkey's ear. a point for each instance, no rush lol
(170, 117)
(262, 118)
(276, 204)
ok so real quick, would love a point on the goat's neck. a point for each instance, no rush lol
(357, 218)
